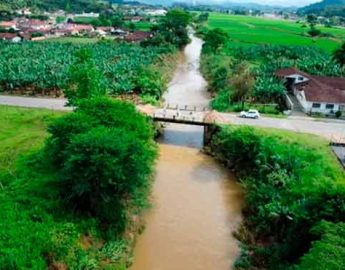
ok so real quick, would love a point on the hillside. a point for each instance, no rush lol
(73, 5)
(326, 8)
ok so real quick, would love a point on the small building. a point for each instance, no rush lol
(37, 25)
(12, 37)
(315, 94)
(8, 25)
(156, 12)
(119, 32)
(137, 36)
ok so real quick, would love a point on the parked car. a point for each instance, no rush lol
(254, 114)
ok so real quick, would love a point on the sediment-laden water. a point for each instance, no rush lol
(196, 202)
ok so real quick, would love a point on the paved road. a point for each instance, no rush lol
(330, 129)
(47, 103)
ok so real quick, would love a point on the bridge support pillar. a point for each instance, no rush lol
(209, 131)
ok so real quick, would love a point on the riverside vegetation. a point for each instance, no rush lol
(223, 55)
(294, 187)
(295, 198)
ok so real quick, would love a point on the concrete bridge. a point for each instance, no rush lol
(187, 115)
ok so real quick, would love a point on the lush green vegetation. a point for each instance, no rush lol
(172, 29)
(39, 66)
(75, 203)
(222, 56)
(327, 8)
(67, 5)
(292, 183)
(249, 30)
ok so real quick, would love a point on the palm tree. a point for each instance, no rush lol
(339, 55)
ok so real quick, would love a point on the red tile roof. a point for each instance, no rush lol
(137, 36)
(8, 24)
(319, 88)
(8, 36)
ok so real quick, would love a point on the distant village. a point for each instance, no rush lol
(26, 26)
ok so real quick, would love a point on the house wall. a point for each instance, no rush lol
(308, 106)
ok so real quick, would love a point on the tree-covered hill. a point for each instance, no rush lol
(73, 5)
(326, 8)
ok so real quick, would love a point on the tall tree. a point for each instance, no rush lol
(174, 27)
(85, 80)
(215, 39)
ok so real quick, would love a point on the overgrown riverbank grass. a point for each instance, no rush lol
(36, 229)
(256, 30)
(292, 182)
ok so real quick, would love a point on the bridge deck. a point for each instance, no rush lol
(188, 117)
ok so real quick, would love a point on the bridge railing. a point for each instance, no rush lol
(169, 106)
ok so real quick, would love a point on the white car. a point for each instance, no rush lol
(254, 114)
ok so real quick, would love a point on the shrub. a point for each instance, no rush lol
(150, 83)
(103, 169)
(290, 185)
(104, 154)
(329, 251)
(62, 130)
(117, 114)
(313, 32)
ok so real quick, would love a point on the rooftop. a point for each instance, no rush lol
(318, 88)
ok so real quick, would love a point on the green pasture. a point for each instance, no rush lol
(258, 30)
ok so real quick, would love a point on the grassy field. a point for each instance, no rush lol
(249, 30)
(21, 130)
(36, 231)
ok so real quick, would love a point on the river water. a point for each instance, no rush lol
(196, 202)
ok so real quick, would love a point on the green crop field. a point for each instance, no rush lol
(249, 30)
(73, 40)
(85, 19)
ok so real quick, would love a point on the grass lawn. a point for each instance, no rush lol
(21, 130)
(258, 30)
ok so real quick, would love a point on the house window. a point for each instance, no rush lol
(316, 105)
(329, 106)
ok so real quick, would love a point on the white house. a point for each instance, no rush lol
(316, 94)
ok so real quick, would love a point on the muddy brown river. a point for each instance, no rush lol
(196, 202)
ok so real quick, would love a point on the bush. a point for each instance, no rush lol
(338, 114)
(104, 154)
(313, 32)
(104, 168)
(291, 184)
(150, 83)
(329, 251)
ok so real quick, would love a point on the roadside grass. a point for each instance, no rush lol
(256, 30)
(36, 231)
